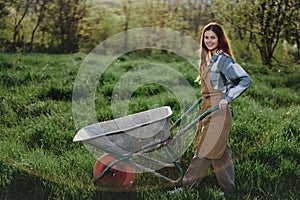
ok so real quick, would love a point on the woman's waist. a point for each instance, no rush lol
(212, 95)
(211, 100)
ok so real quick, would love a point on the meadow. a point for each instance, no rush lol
(39, 159)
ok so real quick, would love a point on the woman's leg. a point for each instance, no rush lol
(195, 172)
(224, 170)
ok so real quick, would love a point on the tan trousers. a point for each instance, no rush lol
(223, 168)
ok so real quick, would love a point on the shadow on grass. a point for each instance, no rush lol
(19, 184)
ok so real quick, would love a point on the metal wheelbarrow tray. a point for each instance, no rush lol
(132, 135)
(128, 134)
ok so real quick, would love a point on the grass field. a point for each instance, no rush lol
(39, 160)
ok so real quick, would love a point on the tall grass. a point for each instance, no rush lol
(40, 161)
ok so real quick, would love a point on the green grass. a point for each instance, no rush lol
(39, 159)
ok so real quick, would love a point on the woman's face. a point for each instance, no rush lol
(211, 40)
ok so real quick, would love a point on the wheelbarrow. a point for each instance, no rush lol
(130, 142)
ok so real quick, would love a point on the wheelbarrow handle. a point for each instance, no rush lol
(193, 123)
(184, 115)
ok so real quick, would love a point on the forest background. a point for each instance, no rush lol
(256, 27)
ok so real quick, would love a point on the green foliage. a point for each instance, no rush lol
(266, 29)
(40, 160)
(263, 23)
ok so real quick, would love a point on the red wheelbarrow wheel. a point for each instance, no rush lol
(120, 175)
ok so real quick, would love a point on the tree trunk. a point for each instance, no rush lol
(126, 9)
(18, 23)
(39, 21)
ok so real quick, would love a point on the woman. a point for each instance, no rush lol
(222, 80)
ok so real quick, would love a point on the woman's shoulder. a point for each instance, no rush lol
(225, 57)
(224, 61)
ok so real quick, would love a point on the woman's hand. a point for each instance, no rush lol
(223, 104)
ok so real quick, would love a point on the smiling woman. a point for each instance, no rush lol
(222, 81)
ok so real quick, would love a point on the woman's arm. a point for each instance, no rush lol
(238, 78)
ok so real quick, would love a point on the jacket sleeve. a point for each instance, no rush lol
(237, 77)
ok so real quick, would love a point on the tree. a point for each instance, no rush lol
(127, 6)
(66, 16)
(4, 12)
(21, 10)
(96, 26)
(265, 20)
(39, 7)
(194, 13)
(292, 29)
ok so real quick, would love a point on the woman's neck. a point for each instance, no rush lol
(214, 51)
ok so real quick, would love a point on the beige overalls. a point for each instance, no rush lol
(213, 146)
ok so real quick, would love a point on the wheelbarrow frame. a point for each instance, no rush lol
(168, 150)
